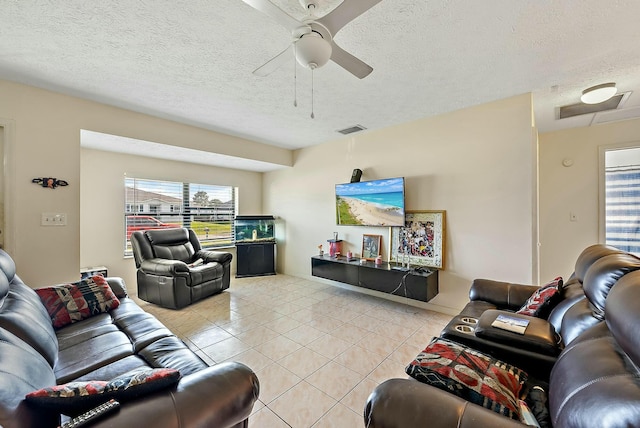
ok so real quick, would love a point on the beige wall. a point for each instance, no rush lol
(573, 189)
(102, 201)
(478, 164)
(45, 142)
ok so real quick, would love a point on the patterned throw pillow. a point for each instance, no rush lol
(70, 398)
(543, 299)
(469, 374)
(74, 398)
(69, 303)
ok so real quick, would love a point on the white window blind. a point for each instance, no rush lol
(207, 209)
(622, 187)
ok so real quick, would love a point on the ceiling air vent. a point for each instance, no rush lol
(352, 129)
(581, 108)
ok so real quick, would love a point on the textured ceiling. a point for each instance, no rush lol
(192, 61)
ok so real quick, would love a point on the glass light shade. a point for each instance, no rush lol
(599, 93)
(312, 51)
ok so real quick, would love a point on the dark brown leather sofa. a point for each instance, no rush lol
(33, 355)
(166, 272)
(593, 380)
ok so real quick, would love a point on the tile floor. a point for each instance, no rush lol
(318, 350)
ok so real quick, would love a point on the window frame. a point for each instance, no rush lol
(181, 211)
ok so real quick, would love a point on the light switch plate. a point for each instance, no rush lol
(53, 219)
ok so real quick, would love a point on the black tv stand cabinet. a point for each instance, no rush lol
(418, 284)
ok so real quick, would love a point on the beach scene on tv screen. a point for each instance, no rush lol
(371, 203)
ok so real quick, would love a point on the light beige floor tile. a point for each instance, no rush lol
(388, 369)
(395, 331)
(340, 416)
(326, 324)
(419, 340)
(257, 335)
(252, 358)
(265, 316)
(382, 345)
(267, 419)
(350, 333)
(356, 399)
(283, 325)
(366, 322)
(304, 334)
(209, 336)
(225, 349)
(303, 362)
(405, 353)
(360, 360)
(334, 380)
(286, 308)
(274, 381)
(278, 348)
(329, 346)
(302, 406)
(239, 325)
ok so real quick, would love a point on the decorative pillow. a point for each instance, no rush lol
(70, 398)
(77, 397)
(469, 374)
(69, 303)
(543, 299)
(138, 383)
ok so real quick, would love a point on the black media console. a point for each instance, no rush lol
(417, 283)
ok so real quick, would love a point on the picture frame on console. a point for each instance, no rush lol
(371, 246)
(421, 241)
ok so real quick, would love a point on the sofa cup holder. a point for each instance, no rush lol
(464, 328)
(469, 320)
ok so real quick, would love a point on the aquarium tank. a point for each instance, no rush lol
(254, 228)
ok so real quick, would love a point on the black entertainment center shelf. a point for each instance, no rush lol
(417, 283)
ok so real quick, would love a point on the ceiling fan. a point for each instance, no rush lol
(313, 42)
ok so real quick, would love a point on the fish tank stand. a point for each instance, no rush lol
(255, 245)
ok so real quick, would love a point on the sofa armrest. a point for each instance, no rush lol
(539, 336)
(214, 256)
(504, 295)
(218, 396)
(406, 403)
(117, 285)
(164, 267)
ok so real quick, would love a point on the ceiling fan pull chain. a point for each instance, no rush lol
(295, 78)
(312, 115)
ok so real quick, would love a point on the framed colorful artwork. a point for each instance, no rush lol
(371, 246)
(421, 240)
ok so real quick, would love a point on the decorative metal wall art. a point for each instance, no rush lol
(49, 182)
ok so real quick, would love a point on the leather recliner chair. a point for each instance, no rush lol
(174, 271)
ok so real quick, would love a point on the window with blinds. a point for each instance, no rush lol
(622, 207)
(207, 209)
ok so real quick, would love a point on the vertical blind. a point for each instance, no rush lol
(207, 209)
(622, 207)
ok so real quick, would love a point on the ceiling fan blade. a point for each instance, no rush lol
(273, 64)
(346, 12)
(349, 62)
(270, 9)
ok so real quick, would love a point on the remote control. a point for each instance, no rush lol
(92, 415)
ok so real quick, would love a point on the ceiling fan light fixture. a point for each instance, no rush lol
(312, 51)
(599, 93)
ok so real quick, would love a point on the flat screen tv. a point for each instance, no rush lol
(371, 203)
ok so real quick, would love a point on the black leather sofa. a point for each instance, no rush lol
(593, 378)
(173, 270)
(583, 295)
(33, 355)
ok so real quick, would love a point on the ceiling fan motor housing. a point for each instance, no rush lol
(312, 51)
